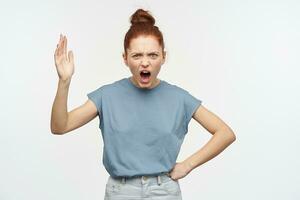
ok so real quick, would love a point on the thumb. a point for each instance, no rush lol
(71, 56)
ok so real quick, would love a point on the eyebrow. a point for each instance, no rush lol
(147, 53)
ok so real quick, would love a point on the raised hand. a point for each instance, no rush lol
(64, 62)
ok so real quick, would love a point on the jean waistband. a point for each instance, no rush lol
(144, 179)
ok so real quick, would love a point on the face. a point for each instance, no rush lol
(144, 59)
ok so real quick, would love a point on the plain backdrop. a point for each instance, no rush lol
(241, 58)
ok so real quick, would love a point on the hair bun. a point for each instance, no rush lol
(141, 16)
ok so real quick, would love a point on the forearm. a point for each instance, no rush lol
(219, 141)
(59, 115)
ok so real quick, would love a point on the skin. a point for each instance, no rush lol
(64, 63)
(144, 52)
(63, 121)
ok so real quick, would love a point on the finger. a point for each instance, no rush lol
(71, 57)
(62, 47)
(56, 55)
(59, 42)
(62, 44)
(57, 52)
(59, 45)
(65, 50)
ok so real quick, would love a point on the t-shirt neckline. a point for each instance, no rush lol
(143, 89)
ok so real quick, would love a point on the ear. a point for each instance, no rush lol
(164, 57)
(125, 59)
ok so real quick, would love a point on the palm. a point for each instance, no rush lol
(64, 63)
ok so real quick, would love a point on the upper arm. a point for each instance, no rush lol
(81, 115)
(210, 121)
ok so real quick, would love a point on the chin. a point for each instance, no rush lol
(144, 85)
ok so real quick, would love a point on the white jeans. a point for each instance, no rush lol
(160, 187)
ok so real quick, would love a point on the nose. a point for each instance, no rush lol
(145, 62)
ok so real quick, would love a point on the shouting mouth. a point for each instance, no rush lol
(145, 76)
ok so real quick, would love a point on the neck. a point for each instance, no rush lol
(157, 81)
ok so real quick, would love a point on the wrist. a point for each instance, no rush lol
(188, 165)
(64, 84)
(64, 81)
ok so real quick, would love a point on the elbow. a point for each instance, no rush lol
(233, 137)
(56, 131)
(230, 134)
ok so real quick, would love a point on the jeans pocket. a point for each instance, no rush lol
(112, 187)
(172, 187)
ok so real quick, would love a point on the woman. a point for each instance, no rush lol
(143, 119)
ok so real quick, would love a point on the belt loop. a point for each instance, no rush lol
(158, 180)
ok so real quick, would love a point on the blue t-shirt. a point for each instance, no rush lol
(142, 129)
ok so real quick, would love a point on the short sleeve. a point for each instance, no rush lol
(191, 104)
(96, 97)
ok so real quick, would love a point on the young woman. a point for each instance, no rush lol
(143, 119)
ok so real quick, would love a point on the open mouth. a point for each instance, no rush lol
(145, 76)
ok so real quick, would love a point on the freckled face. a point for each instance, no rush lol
(144, 55)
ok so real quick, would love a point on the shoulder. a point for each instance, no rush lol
(175, 88)
(111, 86)
(183, 94)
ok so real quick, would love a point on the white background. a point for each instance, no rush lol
(241, 58)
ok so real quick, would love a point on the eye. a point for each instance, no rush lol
(153, 55)
(136, 56)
